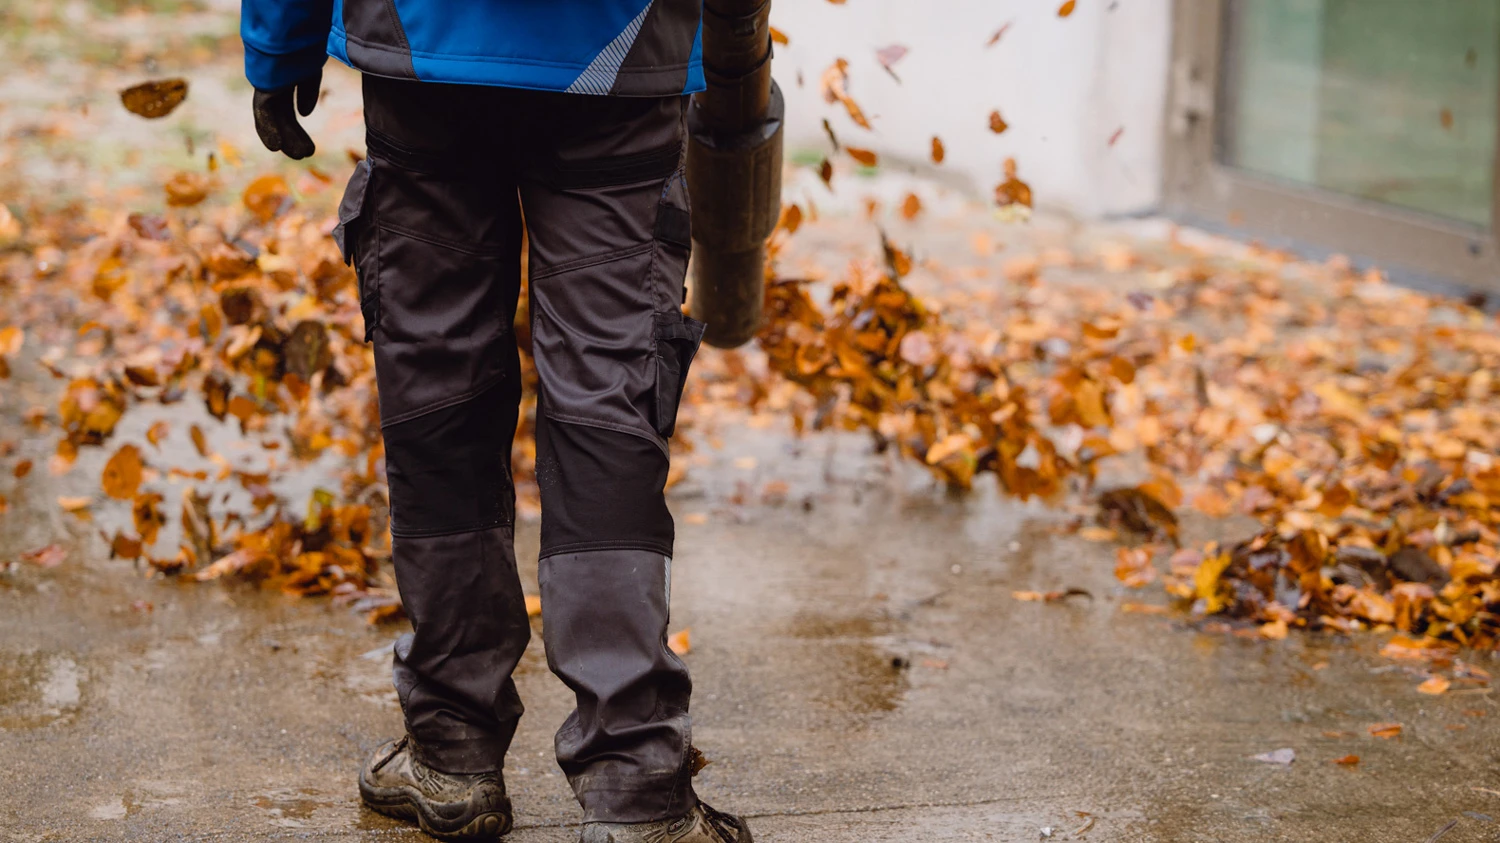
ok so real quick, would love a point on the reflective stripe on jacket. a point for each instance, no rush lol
(618, 47)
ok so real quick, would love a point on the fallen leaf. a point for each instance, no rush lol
(74, 503)
(22, 469)
(911, 206)
(1277, 756)
(1435, 685)
(1385, 730)
(46, 557)
(1347, 760)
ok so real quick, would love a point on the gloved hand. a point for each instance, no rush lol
(276, 123)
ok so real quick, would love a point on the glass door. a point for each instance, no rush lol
(1362, 126)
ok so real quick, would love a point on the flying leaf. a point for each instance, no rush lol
(997, 123)
(911, 206)
(681, 642)
(1067, 8)
(122, 474)
(888, 56)
(865, 157)
(266, 196)
(938, 153)
(155, 99)
(779, 37)
(999, 33)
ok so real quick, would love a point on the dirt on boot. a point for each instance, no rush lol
(701, 825)
(448, 806)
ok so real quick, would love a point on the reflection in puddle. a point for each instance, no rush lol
(37, 689)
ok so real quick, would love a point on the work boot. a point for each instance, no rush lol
(448, 806)
(701, 825)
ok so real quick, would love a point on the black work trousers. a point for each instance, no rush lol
(432, 221)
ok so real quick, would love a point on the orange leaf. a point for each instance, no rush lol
(938, 153)
(779, 37)
(1347, 760)
(533, 606)
(1435, 685)
(1385, 730)
(22, 469)
(681, 642)
(1067, 8)
(911, 206)
(997, 123)
(122, 474)
(863, 156)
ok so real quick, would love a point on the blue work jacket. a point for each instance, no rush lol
(619, 47)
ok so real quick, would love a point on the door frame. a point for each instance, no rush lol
(1198, 188)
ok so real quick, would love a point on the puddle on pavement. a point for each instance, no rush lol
(852, 671)
(292, 808)
(38, 689)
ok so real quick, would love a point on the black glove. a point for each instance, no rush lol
(276, 123)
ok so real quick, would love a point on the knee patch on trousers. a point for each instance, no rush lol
(601, 489)
(449, 469)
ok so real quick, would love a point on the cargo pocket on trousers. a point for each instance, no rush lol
(677, 338)
(354, 235)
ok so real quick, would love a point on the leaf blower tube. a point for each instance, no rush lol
(734, 169)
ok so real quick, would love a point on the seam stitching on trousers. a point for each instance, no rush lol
(593, 260)
(448, 531)
(496, 252)
(606, 425)
(444, 404)
(590, 547)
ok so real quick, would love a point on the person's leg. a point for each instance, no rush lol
(432, 222)
(606, 212)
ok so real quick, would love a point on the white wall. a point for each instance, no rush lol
(1064, 85)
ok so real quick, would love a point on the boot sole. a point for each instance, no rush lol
(404, 803)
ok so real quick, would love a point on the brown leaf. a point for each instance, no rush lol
(46, 557)
(997, 123)
(22, 469)
(1346, 760)
(911, 206)
(1435, 685)
(122, 474)
(865, 157)
(999, 33)
(157, 432)
(825, 172)
(266, 196)
(1385, 730)
(155, 99)
(938, 153)
(185, 190)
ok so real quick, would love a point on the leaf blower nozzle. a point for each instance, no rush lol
(734, 169)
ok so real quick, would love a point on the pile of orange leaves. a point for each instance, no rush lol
(1358, 421)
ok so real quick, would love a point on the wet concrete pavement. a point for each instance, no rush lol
(862, 672)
